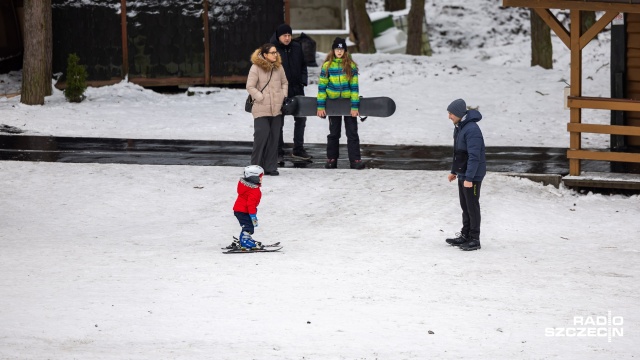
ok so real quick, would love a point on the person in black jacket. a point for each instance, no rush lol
(295, 67)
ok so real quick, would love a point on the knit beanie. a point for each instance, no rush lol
(283, 29)
(458, 108)
(339, 43)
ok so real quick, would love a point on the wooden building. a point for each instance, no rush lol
(624, 102)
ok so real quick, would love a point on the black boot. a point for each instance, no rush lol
(458, 240)
(331, 164)
(472, 244)
(358, 165)
(300, 154)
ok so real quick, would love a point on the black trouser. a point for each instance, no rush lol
(470, 204)
(266, 130)
(245, 221)
(333, 139)
(298, 135)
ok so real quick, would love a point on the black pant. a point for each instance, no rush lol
(298, 135)
(266, 130)
(470, 204)
(245, 221)
(333, 139)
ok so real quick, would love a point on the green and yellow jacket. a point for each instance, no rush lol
(333, 84)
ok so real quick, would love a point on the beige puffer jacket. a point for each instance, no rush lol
(269, 102)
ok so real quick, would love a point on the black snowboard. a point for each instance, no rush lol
(373, 106)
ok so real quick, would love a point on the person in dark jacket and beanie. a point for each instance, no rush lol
(295, 67)
(469, 167)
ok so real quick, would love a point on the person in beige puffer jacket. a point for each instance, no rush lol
(267, 84)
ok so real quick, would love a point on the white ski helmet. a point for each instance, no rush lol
(253, 173)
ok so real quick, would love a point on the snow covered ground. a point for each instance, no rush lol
(124, 262)
(121, 261)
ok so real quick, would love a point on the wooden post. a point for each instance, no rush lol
(207, 50)
(125, 50)
(618, 77)
(287, 11)
(575, 139)
(555, 25)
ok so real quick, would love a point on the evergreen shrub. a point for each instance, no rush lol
(76, 79)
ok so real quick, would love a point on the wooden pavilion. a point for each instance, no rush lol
(625, 100)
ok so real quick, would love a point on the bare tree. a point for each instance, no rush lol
(414, 28)
(395, 5)
(361, 28)
(34, 62)
(541, 48)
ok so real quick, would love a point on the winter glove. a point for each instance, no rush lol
(254, 220)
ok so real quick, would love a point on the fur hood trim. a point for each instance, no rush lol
(249, 184)
(264, 64)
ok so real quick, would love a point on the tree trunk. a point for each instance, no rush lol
(588, 19)
(33, 67)
(414, 28)
(361, 28)
(48, 47)
(541, 48)
(395, 5)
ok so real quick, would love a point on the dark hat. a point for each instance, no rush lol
(458, 108)
(283, 29)
(339, 43)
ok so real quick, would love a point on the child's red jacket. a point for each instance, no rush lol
(249, 196)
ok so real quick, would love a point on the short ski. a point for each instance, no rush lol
(240, 251)
(266, 246)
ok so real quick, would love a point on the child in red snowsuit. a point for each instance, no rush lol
(246, 207)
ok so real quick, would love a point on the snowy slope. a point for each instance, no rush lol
(124, 262)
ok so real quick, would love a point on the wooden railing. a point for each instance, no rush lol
(603, 104)
(583, 102)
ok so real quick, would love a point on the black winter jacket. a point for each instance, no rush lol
(294, 65)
